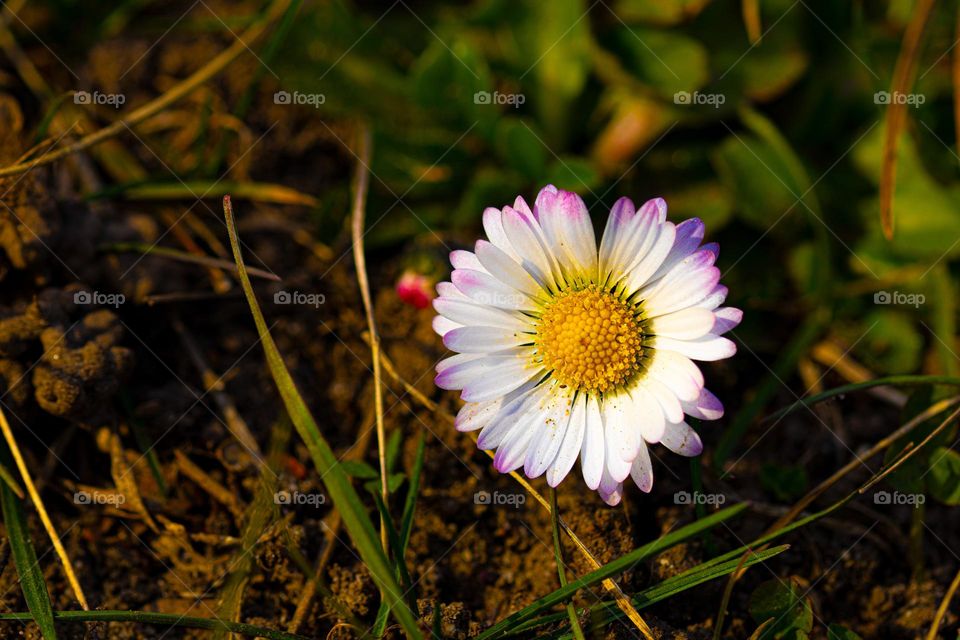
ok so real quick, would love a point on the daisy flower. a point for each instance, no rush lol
(567, 351)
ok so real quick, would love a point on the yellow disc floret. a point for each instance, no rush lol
(589, 339)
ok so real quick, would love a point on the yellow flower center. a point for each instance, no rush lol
(590, 340)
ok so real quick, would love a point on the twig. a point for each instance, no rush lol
(42, 511)
(361, 182)
(173, 95)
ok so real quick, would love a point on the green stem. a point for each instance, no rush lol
(558, 554)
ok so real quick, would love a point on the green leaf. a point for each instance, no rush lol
(668, 61)
(893, 344)
(345, 498)
(359, 469)
(660, 12)
(840, 632)
(25, 559)
(943, 481)
(612, 568)
(786, 605)
(573, 174)
(520, 147)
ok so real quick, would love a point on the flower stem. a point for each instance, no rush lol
(558, 554)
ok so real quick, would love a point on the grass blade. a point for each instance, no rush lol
(344, 496)
(612, 568)
(166, 619)
(25, 558)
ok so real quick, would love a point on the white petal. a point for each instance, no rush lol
(689, 236)
(708, 348)
(714, 299)
(484, 339)
(642, 470)
(631, 242)
(610, 490)
(449, 290)
(706, 407)
(672, 293)
(592, 451)
(615, 433)
(685, 324)
(474, 415)
(622, 422)
(676, 373)
(515, 405)
(469, 313)
(682, 440)
(493, 226)
(618, 224)
(460, 358)
(463, 372)
(570, 448)
(442, 325)
(550, 434)
(498, 381)
(639, 274)
(461, 259)
(666, 398)
(569, 232)
(727, 318)
(513, 449)
(530, 248)
(483, 288)
(652, 421)
(505, 269)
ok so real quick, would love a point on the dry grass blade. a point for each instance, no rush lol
(897, 110)
(361, 182)
(623, 602)
(42, 511)
(174, 94)
(942, 609)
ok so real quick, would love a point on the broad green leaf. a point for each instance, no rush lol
(520, 147)
(705, 200)
(345, 498)
(893, 344)
(943, 481)
(359, 469)
(573, 174)
(666, 60)
(786, 604)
